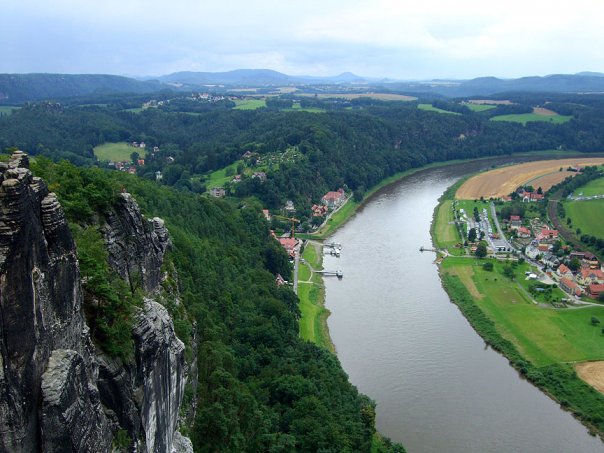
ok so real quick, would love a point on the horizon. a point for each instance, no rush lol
(391, 39)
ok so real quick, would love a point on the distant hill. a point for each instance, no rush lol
(254, 77)
(17, 88)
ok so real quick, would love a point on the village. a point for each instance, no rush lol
(578, 273)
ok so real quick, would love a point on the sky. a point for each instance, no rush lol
(398, 39)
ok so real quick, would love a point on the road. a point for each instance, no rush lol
(496, 221)
(296, 266)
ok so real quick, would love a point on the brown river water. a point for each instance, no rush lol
(437, 386)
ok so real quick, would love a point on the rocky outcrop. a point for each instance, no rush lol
(57, 392)
(136, 245)
(40, 312)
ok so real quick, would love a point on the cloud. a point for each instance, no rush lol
(394, 38)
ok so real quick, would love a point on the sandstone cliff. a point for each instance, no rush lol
(57, 391)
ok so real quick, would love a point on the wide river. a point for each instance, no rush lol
(437, 386)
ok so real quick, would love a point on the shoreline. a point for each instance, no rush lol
(557, 380)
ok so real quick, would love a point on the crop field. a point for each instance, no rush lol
(592, 373)
(249, 104)
(539, 114)
(479, 107)
(502, 181)
(490, 102)
(587, 215)
(379, 96)
(117, 152)
(541, 333)
(7, 109)
(431, 108)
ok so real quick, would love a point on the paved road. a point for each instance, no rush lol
(296, 265)
(496, 221)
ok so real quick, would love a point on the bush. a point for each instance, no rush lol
(488, 266)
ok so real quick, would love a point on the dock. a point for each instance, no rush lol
(338, 273)
(426, 249)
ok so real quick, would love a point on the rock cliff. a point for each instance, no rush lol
(57, 391)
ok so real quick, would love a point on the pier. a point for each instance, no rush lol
(426, 249)
(338, 273)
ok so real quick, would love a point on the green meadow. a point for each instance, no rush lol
(526, 117)
(587, 215)
(431, 108)
(117, 152)
(249, 104)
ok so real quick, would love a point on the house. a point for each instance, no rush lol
(217, 192)
(289, 244)
(564, 271)
(546, 234)
(260, 175)
(550, 260)
(141, 162)
(134, 144)
(515, 222)
(156, 149)
(246, 155)
(530, 196)
(532, 251)
(236, 179)
(142, 145)
(590, 260)
(289, 206)
(334, 199)
(132, 170)
(589, 276)
(524, 232)
(170, 159)
(570, 287)
(119, 165)
(158, 176)
(267, 215)
(318, 210)
(594, 290)
(543, 248)
(280, 281)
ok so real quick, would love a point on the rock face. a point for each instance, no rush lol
(136, 245)
(40, 312)
(57, 392)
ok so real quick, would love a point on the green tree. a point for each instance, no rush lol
(574, 264)
(472, 235)
(481, 250)
(488, 266)
(509, 272)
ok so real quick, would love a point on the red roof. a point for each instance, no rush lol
(514, 217)
(548, 232)
(570, 285)
(288, 243)
(524, 230)
(543, 247)
(597, 273)
(333, 195)
(563, 269)
(595, 289)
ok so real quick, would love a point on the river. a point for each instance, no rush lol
(405, 345)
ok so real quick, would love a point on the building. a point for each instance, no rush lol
(260, 175)
(289, 244)
(158, 176)
(564, 271)
(524, 232)
(334, 200)
(594, 290)
(318, 210)
(280, 281)
(530, 196)
(217, 192)
(267, 215)
(550, 260)
(570, 287)
(289, 206)
(547, 234)
(589, 276)
(515, 222)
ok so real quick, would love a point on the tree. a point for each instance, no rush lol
(601, 297)
(594, 321)
(472, 235)
(134, 156)
(509, 272)
(488, 266)
(539, 190)
(481, 250)
(574, 264)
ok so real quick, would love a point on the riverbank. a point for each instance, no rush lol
(541, 342)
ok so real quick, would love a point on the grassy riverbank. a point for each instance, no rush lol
(541, 342)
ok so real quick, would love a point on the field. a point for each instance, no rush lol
(219, 178)
(446, 233)
(379, 96)
(479, 107)
(539, 114)
(592, 373)
(502, 181)
(313, 322)
(117, 152)
(298, 108)
(542, 334)
(489, 102)
(431, 108)
(587, 215)
(595, 187)
(7, 109)
(249, 104)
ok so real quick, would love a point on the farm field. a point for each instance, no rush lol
(379, 96)
(592, 373)
(431, 108)
(117, 152)
(542, 334)
(587, 215)
(478, 107)
(249, 104)
(490, 101)
(7, 109)
(502, 181)
(539, 114)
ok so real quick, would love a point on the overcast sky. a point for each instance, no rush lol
(401, 39)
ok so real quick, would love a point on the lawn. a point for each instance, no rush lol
(219, 178)
(117, 152)
(587, 215)
(526, 117)
(298, 108)
(542, 334)
(249, 104)
(7, 109)
(336, 220)
(479, 107)
(431, 108)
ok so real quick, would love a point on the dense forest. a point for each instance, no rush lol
(352, 144)
(260, 387)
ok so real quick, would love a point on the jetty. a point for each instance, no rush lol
(338, 273)
(427, 249)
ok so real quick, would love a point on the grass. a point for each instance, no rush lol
(7, 109)
(298, 108)
(431, 108)
(526, 117)
(479, 107)
(587, 215)
(117, 152)
(219, 178)
(595, 187)
(313, 322)
(446, 234)
(337, 219)
(249, 104)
